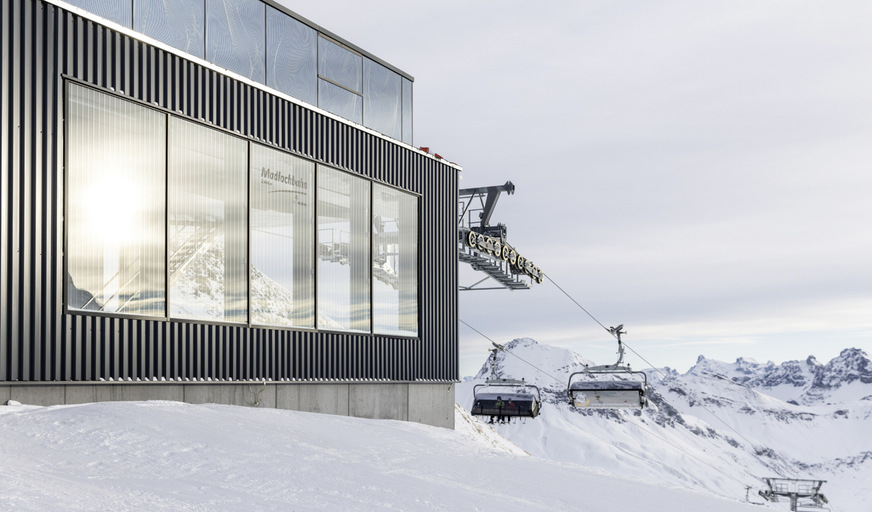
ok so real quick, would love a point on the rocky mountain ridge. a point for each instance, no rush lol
(800, 382)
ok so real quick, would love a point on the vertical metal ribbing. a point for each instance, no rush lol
(53, 130)
(6, 302)
(21, 192)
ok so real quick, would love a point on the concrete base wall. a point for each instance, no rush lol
(427, 403)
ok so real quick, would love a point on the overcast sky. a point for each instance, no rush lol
(698, 171)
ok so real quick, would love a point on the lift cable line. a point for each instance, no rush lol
(662, 375)
(579, 305)
(500, 347)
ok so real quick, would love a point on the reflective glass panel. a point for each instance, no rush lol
(178, 23)
(340, 102)
(407, 111)
(339, 65)
(394, 261)
(208, 268)
(282, 233)
(236, 36)
(115, 206)
(119, 11)
(291, 56)
(382, 94)
(343, 251)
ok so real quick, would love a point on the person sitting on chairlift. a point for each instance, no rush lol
(499, 405)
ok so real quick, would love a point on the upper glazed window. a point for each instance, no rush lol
(113, 10)
(236, 36)
(179, 23)
(267, 45)
(340, 66)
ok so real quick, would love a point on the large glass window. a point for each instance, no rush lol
(291, 56)
(115, 183)
(178, 23)
(394, 261)
(207, 187)
(236, 36)
(343, 251)
(164, 214)
(282, 232)
(381, 99)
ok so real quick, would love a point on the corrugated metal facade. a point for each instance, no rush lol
(41, 44)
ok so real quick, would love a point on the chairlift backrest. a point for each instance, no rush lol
(506, 397)
(603, 391)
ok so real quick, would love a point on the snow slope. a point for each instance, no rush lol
(167, 456)
(719, 427)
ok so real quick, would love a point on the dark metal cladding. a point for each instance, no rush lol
(40, 45)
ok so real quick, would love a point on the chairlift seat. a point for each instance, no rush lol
(517, 397)
(608, 394)
(515, 404)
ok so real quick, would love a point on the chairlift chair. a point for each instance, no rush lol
(611, 386)
(506, 398)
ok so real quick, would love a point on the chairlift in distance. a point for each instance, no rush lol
(613, 386)
(796, 489)
(505, 398)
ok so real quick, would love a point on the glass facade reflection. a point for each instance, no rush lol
(339, 65)
(115, 185)
(343, 251)
(282, 230)
(269, 46)
(291, 56)
(118, 11)
(394, 261)
(171, 218)
(382, 105)
(407, 111)
(339, 101)
(207, 223)
(236, 36)
(178, 23)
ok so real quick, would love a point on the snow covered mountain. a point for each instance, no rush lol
(844, 379)
(719, 427)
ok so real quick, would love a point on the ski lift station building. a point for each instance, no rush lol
(218, 201)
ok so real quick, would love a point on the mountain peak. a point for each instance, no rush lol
(852, 364)
(520, 342)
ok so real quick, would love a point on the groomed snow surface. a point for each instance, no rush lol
(168, 456)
